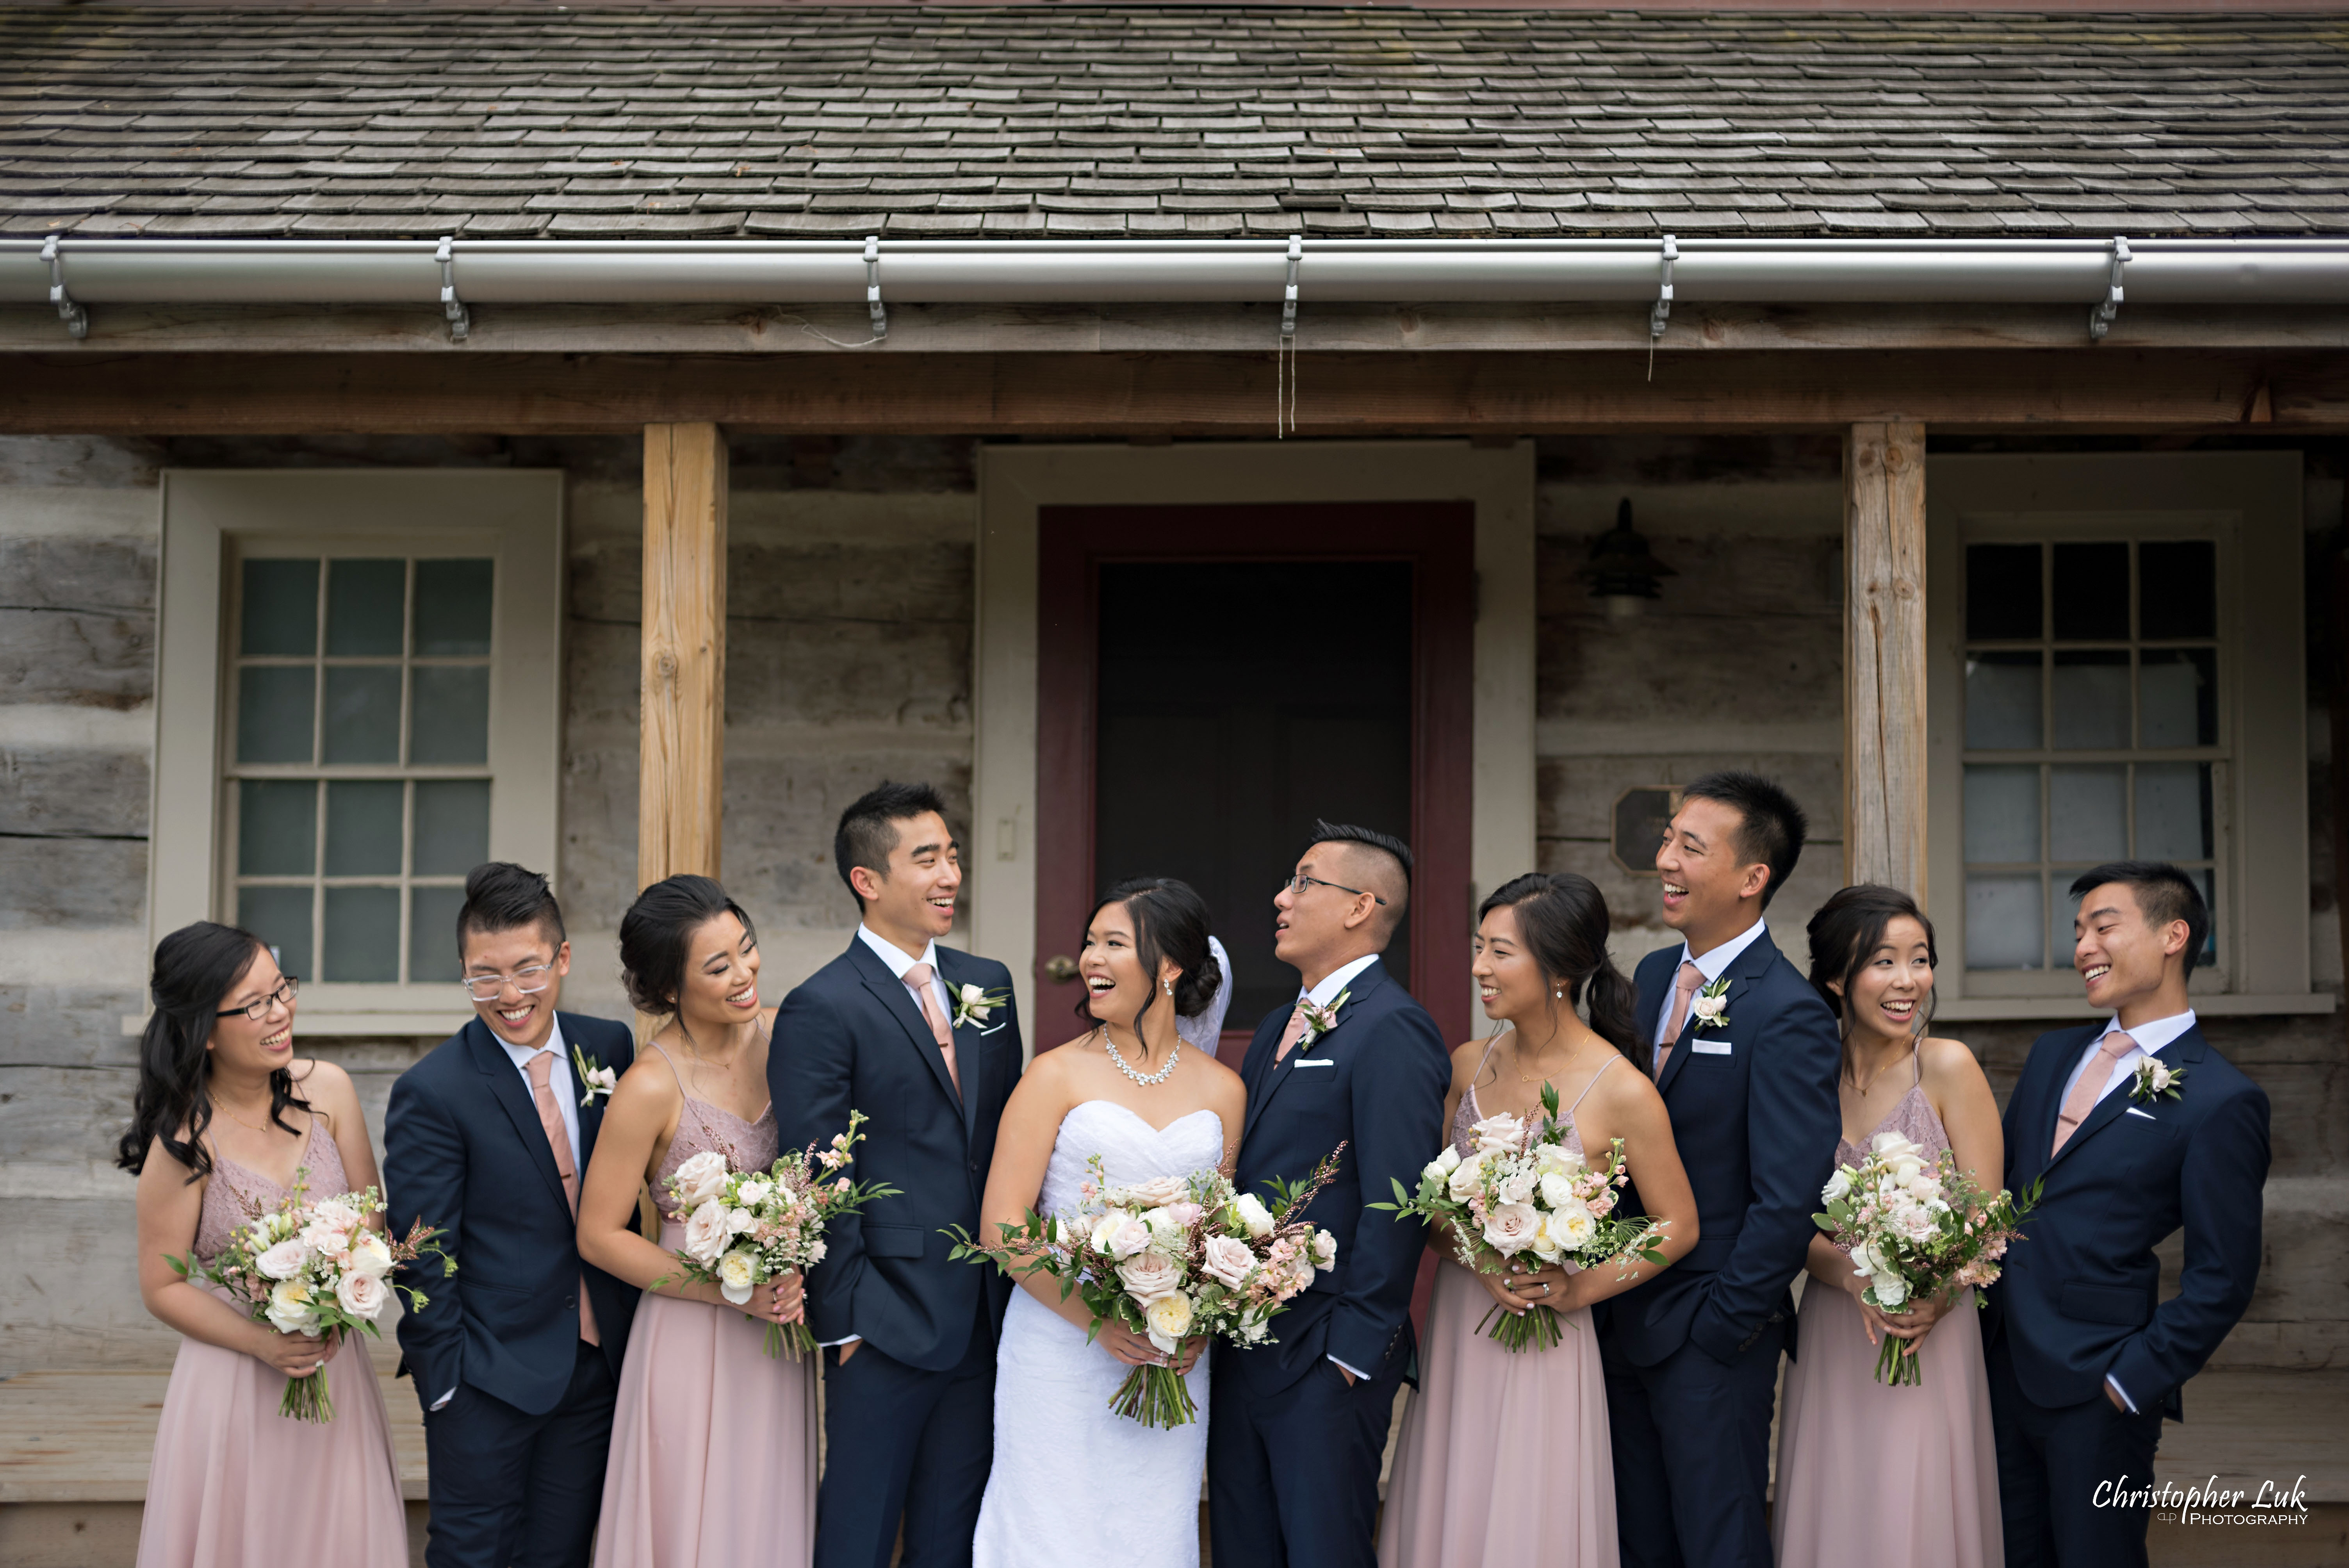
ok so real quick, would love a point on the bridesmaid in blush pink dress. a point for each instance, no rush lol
(227, 1122)
(1870, 1475)
(1505, 1455)
(713, 1456)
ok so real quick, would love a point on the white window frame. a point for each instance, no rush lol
(2248, 502)
(515, 518)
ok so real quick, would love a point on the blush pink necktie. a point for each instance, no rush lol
(1684, 989)
(2091, 1087)
(1291, 1035)
(550, 1119)
(917, 979)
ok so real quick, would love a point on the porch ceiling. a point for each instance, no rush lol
(1181, 120)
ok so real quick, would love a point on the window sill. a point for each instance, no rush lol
(2221, 1005)
(414, 1023)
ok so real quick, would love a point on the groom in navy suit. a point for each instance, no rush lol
(1299, 1427)
(1745, 1055)
(924, 1040)
(2136, 1127)
(517, 1357)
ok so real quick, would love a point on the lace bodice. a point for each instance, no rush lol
(1131, 1149)
(701, 1126)
(1470, 1113)
(235, 1194)
(1912, 1118)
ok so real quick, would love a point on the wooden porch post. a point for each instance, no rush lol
(681, 749)
(1884, 655)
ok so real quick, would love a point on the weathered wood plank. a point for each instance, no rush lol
(680, 766)
(1340, 394)
(1884, 655)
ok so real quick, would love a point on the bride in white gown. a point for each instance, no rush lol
(1143, 1090)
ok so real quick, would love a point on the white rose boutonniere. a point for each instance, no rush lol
(1319, 1020)
(974, 1005)
(595, 1077)
(2155, 1079)
(1709, 1005)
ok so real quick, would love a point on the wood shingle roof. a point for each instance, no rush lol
(1166, 122)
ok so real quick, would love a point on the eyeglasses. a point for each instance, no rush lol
(257, 1011)
(530, 980)
(1299, 883)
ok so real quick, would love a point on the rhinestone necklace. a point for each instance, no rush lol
(1147, 1080)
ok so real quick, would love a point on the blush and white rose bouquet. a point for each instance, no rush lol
(317, 1268)
(1174, 1258)
(1917, 1228)
(1524, 1192)
(743, 1228)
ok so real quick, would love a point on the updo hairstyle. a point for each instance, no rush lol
(656, 934)
(1562, 921)
(1845, 934)
(1170, 925)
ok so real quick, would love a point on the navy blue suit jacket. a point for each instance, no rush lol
(851, 1038)
(2080, 1295)
(1382, 1096)
(464, 1150)
(1756, 1124)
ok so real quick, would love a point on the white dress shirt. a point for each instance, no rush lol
(1712, 965)
(2149, 1037)
(1321, 996)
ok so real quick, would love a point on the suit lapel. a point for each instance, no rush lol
(591, 1115)
(1746, 968)
(898, 1003)
(1255, 1067)
(2115, 1104)
(1276, 1074)
(507, 1087)
(967, 1041)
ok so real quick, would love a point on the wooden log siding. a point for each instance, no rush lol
(680, 763)
(1884, 655)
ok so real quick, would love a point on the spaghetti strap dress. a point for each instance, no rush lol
(713, 1458)
(232, 1481)
(1873, 1476)
(1504, 1456)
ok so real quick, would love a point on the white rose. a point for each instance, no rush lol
(1708, 1009)
(362, 1294)
(1167, 1319)
(1547, 1244)
(1164, 1226)
(815, 1253)
(286, 1259)
(1149, 1275)
(736, 1277)
(699, 1178)
(1154, 1194)
(1442, 1167)
(1324, 1251)
(1891, 1290)
(370, 1256)
(1509, 1228)
(1516, 1187)
(1119, 1233)
(1253, 1215)
(1555, 1159)
(974, 1003)
(706, 1233)
(1227, 1260)
(1556, 1189)
(292, 1308)
(754, 1192)
(1465, 1177)
(1906, 1169)
(738, 1221)
(1838, 1186)
(1499, 1132)
(1573, 1227)
(2158, 1078)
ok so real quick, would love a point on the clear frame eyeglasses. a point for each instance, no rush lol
(1300, 883)
(530, 980)
(287, 988)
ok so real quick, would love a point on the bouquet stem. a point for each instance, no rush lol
(306, 1398)
(1156, 1396)
(1534, 1330)
(791, 1339)
(1896, 1367)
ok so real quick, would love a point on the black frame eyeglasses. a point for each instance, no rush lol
(288, 987)
(1299, 882)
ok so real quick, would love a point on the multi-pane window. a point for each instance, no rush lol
(359, 746)
(2093, 729)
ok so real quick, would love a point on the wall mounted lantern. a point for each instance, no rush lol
(1621, 570)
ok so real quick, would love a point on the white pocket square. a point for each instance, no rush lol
(1705, 1048)
(982, 1034)
(2146, 1114)
(1303, 1062)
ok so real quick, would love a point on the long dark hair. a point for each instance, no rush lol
(196, 968)
(1845, 934)
(655, 933)
(1170, 924)
(1562, 920)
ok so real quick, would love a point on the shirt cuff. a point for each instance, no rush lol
(444, 1398)
(2115, 1385)
(1358, 1372)
(830, 1342)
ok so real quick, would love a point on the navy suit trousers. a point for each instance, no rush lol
(885, 1423)
(2050, 1465)
(516, 1491)
(1299, 1466)
(1689, 1489)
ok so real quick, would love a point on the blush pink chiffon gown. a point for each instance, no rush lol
(232, 1481)
(1505, 1455)
(1873, 1476)
(713, 1459)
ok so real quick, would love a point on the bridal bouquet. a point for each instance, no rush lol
(1523, 1191)
(1915, 1229)
(1172, 1259)
(317, 1268)
(742, 1228)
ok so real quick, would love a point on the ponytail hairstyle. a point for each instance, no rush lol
(196, 968)
(658, 931)
(1562, 920)
(1845, 934)
(1170, 926)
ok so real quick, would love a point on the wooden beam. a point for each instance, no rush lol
(1220, 395)
(1884, 655)
(681, 757)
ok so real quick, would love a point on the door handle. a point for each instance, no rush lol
(1060, 968)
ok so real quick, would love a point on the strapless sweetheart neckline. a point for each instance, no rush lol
(1161, 1131)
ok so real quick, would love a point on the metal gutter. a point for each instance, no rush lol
(2097, 274)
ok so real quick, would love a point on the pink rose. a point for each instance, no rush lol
(362, 1294)
(1156, 1193)
(1227, 1260)
(1149, 1275)
(706, 1233)
(1185, 1215)
(1511, 1227)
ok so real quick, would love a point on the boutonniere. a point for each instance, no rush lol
(973, 1005)
(1318, 1020)
(595, 1077)
(2155, 1079)
(1710, 1006)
